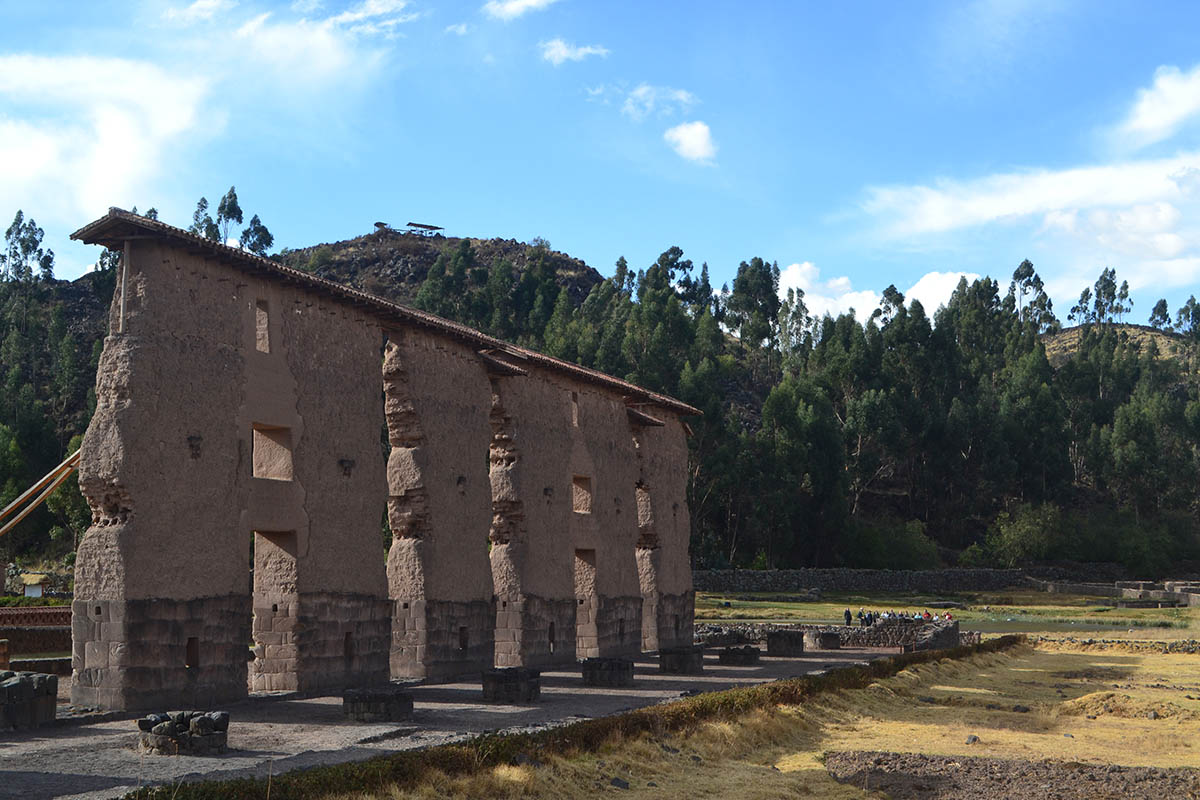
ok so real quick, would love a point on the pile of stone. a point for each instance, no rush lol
(196, 733)
(27, 699)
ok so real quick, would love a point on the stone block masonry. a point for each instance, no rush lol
(37, 639)
(27, 699)
(237, 479)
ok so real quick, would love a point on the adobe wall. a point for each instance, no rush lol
(437, 403)
(162, 608)
(256, 427)
(664, 568)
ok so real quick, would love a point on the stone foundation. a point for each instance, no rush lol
(608, 626)
(822, 640)
(607, 671)
(785, 643)
(441, 639)
(523, 631)
(383, 704)
(739, 656)
(159, 652)
(27, 699)
(512, 685)
(668, 621)
(342, 641)
(681, 660)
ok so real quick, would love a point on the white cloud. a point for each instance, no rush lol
(458, 30)
(91, 132)
(693, 141)
(511, 9)
(644, 100)
(949, 205)
(1162, 109)
(933, 289)
(307, 6)
(837, 295)
(197, 11)
(556, 51)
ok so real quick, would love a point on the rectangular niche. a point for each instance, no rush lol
(262, 336)
(272, 452)
(581, 494)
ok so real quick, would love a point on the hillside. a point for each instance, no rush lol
(393, 264)
(1061, 346)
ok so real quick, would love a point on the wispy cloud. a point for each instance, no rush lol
(459, 29)
(693, 141)
(197, 11)
(1163, 108)
(556, 51)
(644, 100)
(511, 9)
(91, 131)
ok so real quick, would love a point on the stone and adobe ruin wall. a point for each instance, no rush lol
(254, 427)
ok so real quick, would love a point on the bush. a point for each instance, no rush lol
(892, 545)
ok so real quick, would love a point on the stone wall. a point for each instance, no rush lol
(884, 633)
(867, 581)
(37, 639)
(35, 615)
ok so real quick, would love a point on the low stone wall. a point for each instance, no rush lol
(40, 616)
(3, 653)
(867, 581)
(37, 639)
(46, 666)
(915, 634)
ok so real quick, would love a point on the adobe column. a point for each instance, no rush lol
(437, 401)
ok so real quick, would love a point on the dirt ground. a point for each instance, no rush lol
(906, 775)
(273, 735)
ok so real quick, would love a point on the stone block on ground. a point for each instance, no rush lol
(681, 660)
(822, 640)
(607, 671)
(27, 699)
(512, 685)
(739, 656)
(785, 643)
(381, 704)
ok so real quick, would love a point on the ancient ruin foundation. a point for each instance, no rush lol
(254, 427)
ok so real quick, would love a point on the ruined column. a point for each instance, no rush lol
(161, 615)
(664, 568)
(436, 400)
(531, 553)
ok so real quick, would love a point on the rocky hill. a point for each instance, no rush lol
(1062, 345)
(392, 264)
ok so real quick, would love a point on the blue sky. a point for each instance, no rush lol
(856, 144)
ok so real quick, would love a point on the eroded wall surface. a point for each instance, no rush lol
(437, 402)
(202, 437)
(664, 569)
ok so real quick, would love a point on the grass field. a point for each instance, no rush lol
(1015, 610)
(1103, 700)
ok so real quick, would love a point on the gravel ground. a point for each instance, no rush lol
(906, 775)
(93, 760)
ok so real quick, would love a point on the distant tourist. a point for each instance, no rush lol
(848, 616)
(927, 616)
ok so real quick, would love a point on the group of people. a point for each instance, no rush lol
(866, 618)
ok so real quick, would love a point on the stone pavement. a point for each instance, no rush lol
(275, 734)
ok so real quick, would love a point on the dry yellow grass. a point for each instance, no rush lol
(930, 708)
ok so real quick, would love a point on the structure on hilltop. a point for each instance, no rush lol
(237, 481)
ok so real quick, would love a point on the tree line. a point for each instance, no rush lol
(898, 439)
